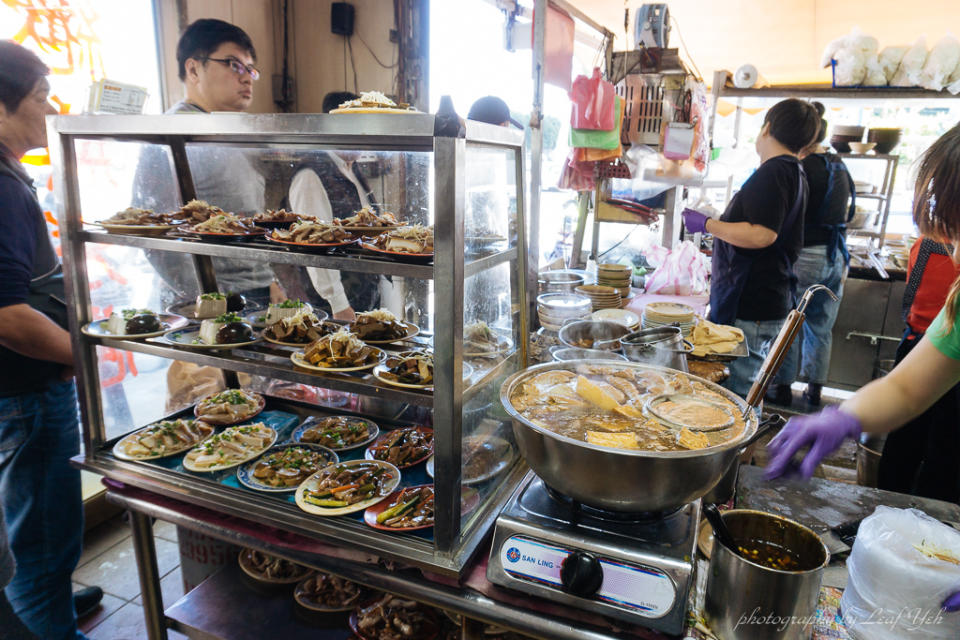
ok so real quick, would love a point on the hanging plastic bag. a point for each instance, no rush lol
(683, 273)
(597, 139)
(902, 566)
(593, 103)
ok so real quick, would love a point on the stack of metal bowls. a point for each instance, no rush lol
(593, 334)
(556, 309)
(559, 281)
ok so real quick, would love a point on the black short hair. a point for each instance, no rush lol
(793, 123)
(335, 98)
(20, 71)
(205, 36)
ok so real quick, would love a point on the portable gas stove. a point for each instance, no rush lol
(633, 567)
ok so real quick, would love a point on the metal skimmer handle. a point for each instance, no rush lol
(781, 346)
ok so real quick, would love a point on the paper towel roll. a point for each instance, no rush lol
(745, 77)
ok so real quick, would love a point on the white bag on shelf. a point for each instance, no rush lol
(940, 64)
(895, 589)
(908, 73)
(890, 59)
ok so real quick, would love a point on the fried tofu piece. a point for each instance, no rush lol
(692, 440)
(599, 397)
(614, 440)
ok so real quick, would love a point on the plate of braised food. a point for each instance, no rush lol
(231, 447)
(403, 447)
(346, 487)
(162, 439)
(337, 433)
(411, 509)
(395, 618)
(382, 327)
(328, 593)
(284, 466)
(230, 406)
(264, 567)
(297, 330)
(341, 351)
(409, 369)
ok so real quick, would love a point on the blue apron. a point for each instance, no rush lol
(730, 268)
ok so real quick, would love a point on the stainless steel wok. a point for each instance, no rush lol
(620, 479)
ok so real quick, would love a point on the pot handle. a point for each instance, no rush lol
(773, 421)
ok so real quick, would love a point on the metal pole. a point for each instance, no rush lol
(150, 592)
(536, 146)
(449, 161)
(583, 204)
(76, 286)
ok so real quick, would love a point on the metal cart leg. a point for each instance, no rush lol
(146, 554)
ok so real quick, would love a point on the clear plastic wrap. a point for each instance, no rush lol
(900, 570)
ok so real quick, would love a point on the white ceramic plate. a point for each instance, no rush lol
(191, 339)
(245, 472)
(412, 330)
(621, 316)
(169, 322)
(253, 453)
(206, 429)
(298, 359)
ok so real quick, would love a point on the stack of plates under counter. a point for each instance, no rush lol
(602, 297)
(617, 276)
(554, 309)
(663, 314)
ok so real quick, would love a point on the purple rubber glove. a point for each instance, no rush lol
(823, 432)
(952, 603)
(694, 221)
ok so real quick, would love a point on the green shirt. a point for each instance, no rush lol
(946, 343)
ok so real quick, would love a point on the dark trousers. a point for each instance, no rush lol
(922, 458)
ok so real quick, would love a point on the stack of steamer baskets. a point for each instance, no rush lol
(601, 296)
(617, 276)
(665, 314)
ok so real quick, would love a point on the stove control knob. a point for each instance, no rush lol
(581, 574)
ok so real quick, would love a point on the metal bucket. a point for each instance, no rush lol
(660, 346)
(746, 600)
(869, 449)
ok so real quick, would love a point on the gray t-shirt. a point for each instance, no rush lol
(224, 177)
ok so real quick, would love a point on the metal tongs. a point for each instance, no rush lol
(778, 351)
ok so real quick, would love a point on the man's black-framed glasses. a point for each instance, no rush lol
(238, 67)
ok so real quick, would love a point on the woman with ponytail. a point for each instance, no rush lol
(930, 370)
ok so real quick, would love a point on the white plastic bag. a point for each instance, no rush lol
(683, 273)
(875, 76)
(940, 64)
(895, 589)
(890, 59)
(908, 73)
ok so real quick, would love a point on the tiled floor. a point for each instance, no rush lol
(108, 561)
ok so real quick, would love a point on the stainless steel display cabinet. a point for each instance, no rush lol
(470, 188)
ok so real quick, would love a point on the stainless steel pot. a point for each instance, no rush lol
(662, 346)
(602, 334)
(566, 354)
(619, 479)
(748, 601)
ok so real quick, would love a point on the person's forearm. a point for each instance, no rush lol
(882, 407)
(913, 386)
(28, 332)
(742, 234)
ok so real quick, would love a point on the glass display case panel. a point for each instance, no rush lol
(490, 202)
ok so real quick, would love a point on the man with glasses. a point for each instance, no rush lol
(215, 62)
